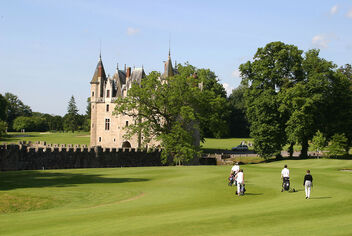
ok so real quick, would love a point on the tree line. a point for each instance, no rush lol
(16, 116)
(292, 97)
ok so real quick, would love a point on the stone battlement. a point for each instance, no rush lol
(24, 156)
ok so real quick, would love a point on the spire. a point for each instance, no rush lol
(169, 70)
(117, 66)
(99, 71)
(169, 45)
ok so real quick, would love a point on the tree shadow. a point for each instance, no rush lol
(40, 179)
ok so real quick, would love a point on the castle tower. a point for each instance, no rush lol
(168, 70)
(97, 85)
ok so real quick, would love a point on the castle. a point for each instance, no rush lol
(106, 128)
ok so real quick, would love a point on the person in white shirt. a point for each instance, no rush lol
(235, 168)
(240, 181)
(285, 175)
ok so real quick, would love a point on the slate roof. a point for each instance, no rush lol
(99, 72)
(137, 75)
(119, 80)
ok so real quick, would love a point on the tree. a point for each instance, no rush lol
(337, 145)
(3, 128)
(88, 108)
(319, 141)
(238, 123)
(274, 68)
(208, 81)
(86, 122)
(33, 123)
(3, 108)
(71, 118)
(15, 108)
(171, 111)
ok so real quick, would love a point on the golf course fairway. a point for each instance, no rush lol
(186, 200)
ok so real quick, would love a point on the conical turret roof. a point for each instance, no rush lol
(99, 72)
(169, 70)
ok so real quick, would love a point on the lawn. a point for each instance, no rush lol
(54, 138)
(188, 200)
(225, 143)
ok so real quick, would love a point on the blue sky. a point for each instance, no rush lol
(49, 49)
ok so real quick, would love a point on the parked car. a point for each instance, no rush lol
(241, 148)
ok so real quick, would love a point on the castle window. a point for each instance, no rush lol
(114, 140)
(107, 93)
(107, 124)
(126, 123)
(99, 139)
(92, 125)
(93, 94)
(107, 107)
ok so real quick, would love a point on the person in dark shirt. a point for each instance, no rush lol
(308, 183)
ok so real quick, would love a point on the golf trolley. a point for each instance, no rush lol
(286, 185)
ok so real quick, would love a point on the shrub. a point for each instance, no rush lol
(337, 146)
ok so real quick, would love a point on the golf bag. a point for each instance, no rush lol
(285, 184)
(232, 180)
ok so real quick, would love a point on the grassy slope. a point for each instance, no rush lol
(178, 201)
(57, 138)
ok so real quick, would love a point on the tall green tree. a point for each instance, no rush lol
(208, 81)
(3, 108)
(274, 68)
(15, 108)
(3, 128)
(238, 122)
(71, 119)
(171, 111)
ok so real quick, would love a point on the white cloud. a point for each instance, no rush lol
(349, 14)
(228, 88)
(334, 10)
(132, 31)
(236, 73)
(320, 41)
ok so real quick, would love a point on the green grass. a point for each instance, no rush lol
(226, 143)
(189, 200)
(55, 138)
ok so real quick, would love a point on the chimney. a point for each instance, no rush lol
(128, 73)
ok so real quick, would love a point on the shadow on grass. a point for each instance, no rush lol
(39, 179)
(320, 197)
(253, 194)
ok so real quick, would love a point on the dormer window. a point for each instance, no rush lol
(107, 93)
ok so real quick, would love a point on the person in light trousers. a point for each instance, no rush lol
(308, 183)
(240, 181)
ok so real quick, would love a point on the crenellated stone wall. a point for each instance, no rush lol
(25, 156)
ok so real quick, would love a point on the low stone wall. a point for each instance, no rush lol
(26, 157)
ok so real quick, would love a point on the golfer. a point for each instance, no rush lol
(235, 168)
(308, 183)
(240, 181)
(285, 173)
(285, 176)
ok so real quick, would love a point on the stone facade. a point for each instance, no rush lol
(107, 130)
